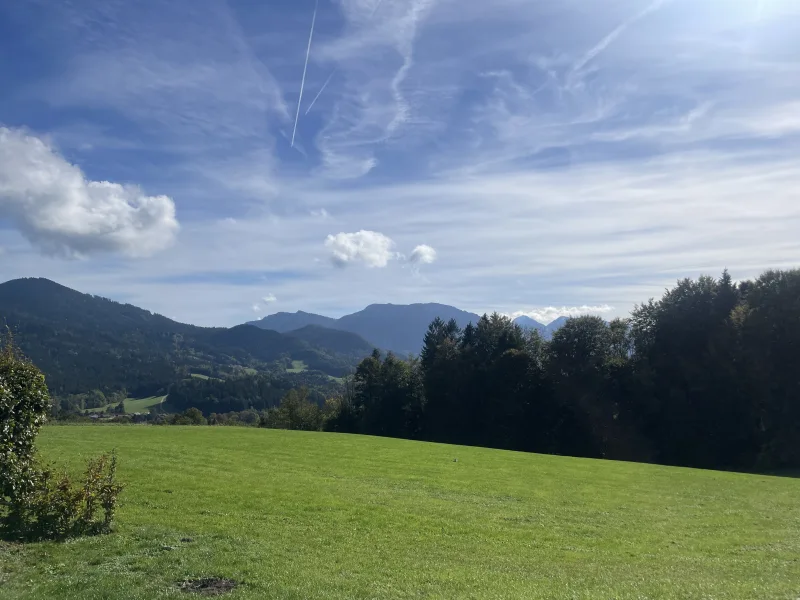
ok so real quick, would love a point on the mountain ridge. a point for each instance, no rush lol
(83, 342)
(399, 328)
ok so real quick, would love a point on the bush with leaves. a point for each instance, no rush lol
(37, 502)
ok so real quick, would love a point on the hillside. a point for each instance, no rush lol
(342, 342)
(312, 515)
(83, 342)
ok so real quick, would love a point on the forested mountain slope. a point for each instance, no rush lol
(84, 342)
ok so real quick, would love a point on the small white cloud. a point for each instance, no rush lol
(53, 204)
(256, 308)
(370, 247)
(269, 299)
(551, 313)
(423, 255)
(320, 213)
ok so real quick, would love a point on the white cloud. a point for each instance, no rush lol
(320, 213)
(423, 254)
(257, 308)
(61, 212)
(551, 313)
(269, 299)
(370, 247)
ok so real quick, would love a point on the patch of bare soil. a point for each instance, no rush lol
(208, 586)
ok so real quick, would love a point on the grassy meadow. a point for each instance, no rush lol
(295, 515)
(134, 405)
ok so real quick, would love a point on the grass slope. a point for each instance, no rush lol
(133, 405)
(307, 515)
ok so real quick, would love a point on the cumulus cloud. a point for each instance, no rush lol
(257, 308)
(423, 255)
(269, 299)
(62, 212)
(551, 313)
(369, 247)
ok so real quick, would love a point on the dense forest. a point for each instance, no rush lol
(707, 376)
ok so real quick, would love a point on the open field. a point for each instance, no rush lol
(310, 515)
(298, 366)
(134, 405)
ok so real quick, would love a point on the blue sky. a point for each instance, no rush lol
(538, 157)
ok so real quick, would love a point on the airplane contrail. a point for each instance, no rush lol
(328, 80)
(374, 10)
(322, 89)
(615, 33)
(305, 68)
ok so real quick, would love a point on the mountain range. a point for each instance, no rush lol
(83, 342)
(393, 327)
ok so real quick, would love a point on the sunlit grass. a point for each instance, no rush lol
(133, 405)
(298, 366)
(314, 515)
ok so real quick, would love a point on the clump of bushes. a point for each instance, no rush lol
(36, 501)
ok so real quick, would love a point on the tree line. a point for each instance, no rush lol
(258, 392)
(707, 376)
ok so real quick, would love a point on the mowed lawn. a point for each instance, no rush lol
(312, 515)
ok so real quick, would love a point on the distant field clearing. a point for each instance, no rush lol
(313, 515)
(134, 405)
(298, 366)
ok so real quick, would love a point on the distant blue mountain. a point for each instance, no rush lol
(546, 331)
(394, 327)
(284, 321)
(528, 323)
(399, 328)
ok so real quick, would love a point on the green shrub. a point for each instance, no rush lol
(57, 507)
(24, 404)
(35, 501)
(191, 416)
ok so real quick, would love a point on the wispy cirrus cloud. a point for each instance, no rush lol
(187, 74)
(373, 60)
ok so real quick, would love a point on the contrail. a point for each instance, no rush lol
(606, 41)
(305, 68)
(374, 10)
(322, 89)
(328, 80)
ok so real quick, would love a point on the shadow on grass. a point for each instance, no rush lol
(14, 535)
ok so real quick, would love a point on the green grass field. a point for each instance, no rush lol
(296, 515)
(134, 405)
